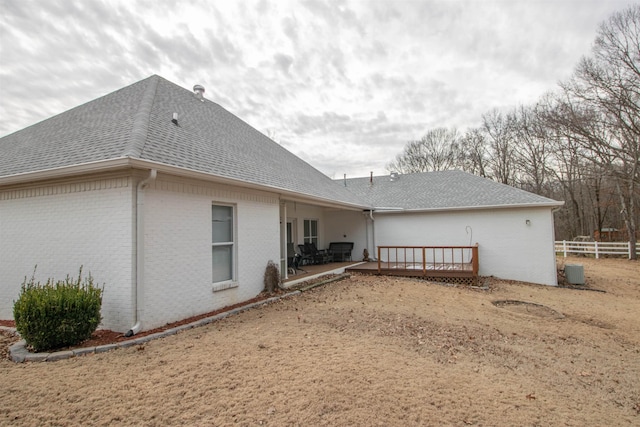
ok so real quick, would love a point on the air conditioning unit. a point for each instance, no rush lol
(574, 274)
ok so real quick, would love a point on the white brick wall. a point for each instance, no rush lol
(508, 247)
(178, 264)
(91, 223)
(61, 227)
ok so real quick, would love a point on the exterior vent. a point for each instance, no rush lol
(198, 90)
(574, 274)
(394, 176)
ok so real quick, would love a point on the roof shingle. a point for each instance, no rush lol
(441, 190)
(135, 122)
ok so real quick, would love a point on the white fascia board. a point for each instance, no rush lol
(127, 162)
(284, 193)
(65, 171)
(552, 204)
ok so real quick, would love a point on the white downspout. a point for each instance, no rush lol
(372, 254)
(373, 234)
(138, 301)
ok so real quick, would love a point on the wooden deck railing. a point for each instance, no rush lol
(429, 260)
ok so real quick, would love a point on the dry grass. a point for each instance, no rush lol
(368, 351)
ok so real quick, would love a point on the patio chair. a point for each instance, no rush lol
(293, 259)
(305, 255)
(319, 256)
(311, 254)
(341, 251)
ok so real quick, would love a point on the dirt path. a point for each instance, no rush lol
(368, 351)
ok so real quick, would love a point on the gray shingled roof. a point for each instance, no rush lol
(441, 190)
(135, 122)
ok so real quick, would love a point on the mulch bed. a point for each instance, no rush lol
(106, 336)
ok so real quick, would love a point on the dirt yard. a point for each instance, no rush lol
(368, 351)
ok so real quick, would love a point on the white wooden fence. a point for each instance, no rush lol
(595, 248)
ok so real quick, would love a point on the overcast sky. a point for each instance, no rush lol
(342, 84)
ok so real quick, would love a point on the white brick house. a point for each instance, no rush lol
(177, 206)
(514, 228)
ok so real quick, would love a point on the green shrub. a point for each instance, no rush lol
(57, 314)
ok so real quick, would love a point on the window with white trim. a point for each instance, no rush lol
(222, 243)
(311, 231)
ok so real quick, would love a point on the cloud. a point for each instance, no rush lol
(283, 62)
(344, 84)
(290, 28)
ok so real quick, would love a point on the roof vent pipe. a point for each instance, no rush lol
(199, 92)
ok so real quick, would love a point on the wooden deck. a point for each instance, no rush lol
(453, 264)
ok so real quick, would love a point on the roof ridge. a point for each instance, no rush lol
(140, 128)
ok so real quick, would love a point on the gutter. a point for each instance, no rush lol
(138, 297)
(130, 162)
(65, 171)
(552, 204)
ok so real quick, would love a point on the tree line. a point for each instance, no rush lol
(579, 143)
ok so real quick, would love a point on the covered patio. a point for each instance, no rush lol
(450, 264)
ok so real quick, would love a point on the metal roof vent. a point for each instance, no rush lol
(199, 92)
(394, 176)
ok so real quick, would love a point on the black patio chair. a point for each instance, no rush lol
(293, 259)
(319, 256)
(305, 255)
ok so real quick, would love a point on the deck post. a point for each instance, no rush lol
(475, 259)
(379, 265)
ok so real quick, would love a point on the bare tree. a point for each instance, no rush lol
(499, 133)
(581, 144)
(531, 149)
(472, 156)
(436, 150)
(600, 107)
(567, 165)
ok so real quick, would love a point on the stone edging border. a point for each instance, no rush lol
(18, 352)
